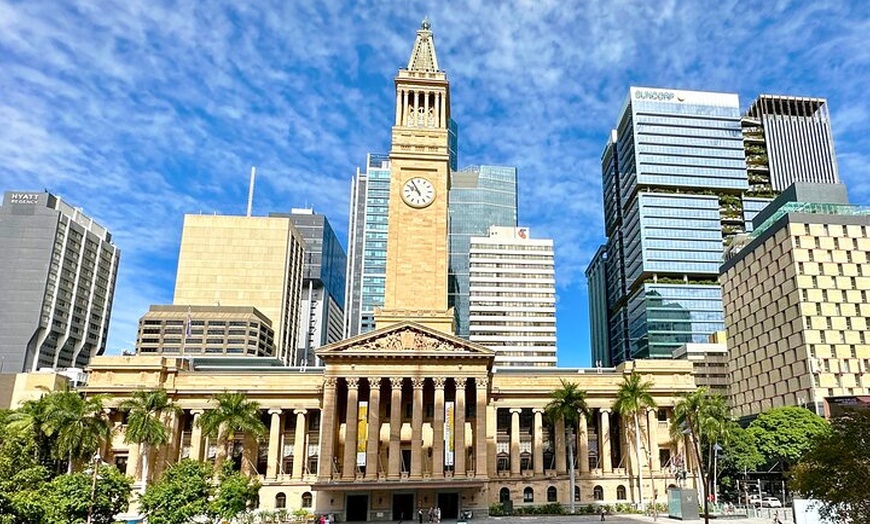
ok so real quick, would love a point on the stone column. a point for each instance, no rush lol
(416, 108)
(196, 436)
(299, 447)
(405, 107)
(348, 469)
(133, 463)
(444, 110)
(480, 466)
(539, 442)
(561, 457)
(327, 430)
(652, 424)
(426, 108)
(373, 440)
(417, 429)
(604, 440)
(459, 447)
(395, 461)
(583, 444)
(275, 426)
(399, 108)
(438, 429)
(515, 441)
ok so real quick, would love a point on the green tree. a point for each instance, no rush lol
(785, 434)
(146, 410)
(233, 413)
(182, 493)
(71, 497)
(189, 490)
(632, 398)
(78, 424)
(235, 493)
(836, 467)
(27, 424)
(706, 420)
(568, 404)
(741, 451)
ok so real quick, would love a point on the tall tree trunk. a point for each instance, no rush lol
(639, 463)
(697, 448)
(69, 464)
(143, 458)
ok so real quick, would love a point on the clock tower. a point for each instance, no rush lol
(417, 240)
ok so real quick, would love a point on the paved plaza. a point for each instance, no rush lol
(785, 516)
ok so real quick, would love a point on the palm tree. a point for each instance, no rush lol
(632, 398)
(145, 425)
(568, 404)
(28, 422)
(233, 413)
(78, 424)
(706, 420)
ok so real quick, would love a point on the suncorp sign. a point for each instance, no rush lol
(660, 96)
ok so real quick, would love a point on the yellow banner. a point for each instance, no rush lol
(362, 433)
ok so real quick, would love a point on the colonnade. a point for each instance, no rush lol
(649, 429)
(421, 108)
(345, 466)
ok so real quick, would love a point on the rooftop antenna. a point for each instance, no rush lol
(251, 189)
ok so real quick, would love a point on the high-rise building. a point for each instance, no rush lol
(599, 335)
(788, 139)
(480, 197)
(367, 245)
(322, 317)
(673, 175)
(205, 330)
(797, 303)
(58, 271)
(244, 261)
(709, 363)
(513, 297)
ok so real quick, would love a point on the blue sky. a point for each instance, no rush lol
(140, 112)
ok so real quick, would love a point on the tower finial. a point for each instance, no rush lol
(425, 25)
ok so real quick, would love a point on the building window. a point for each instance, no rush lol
(598, 493)
(576, 493)
(528, 495)
(306, 499)
(620, 492)
(503, 463)
(551, 494)
(504, 495)
(280, 501)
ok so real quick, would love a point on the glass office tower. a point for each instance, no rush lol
(367, 244)
(673, 176)
(480, 197)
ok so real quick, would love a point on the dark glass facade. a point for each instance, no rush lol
(480, 197)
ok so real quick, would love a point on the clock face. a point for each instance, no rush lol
(418, 192)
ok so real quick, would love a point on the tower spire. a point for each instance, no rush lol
(423, 56)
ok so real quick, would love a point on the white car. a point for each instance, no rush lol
(770, 502)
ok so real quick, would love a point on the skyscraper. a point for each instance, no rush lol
(788, 139)
(367, 244)
(58, 271)
(480, 197)
(673, 175)
(599, 335)
(244, 261)
(513, 296)
(322, 317)
(797, 300)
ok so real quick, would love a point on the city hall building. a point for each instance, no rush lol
(410, 416)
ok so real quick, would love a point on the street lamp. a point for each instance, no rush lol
(97, 461)
(716, 449)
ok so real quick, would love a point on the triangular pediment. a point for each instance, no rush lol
(423, 56)
(405, 340)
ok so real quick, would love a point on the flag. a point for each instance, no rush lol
(187, 324)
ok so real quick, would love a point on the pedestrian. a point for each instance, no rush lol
(431, 513)
(420, 515)
(603, 511)
(438, 515)
(326, 520)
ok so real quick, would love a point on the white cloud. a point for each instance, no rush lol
(141, 112)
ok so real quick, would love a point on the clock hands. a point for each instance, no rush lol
(417, 189)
